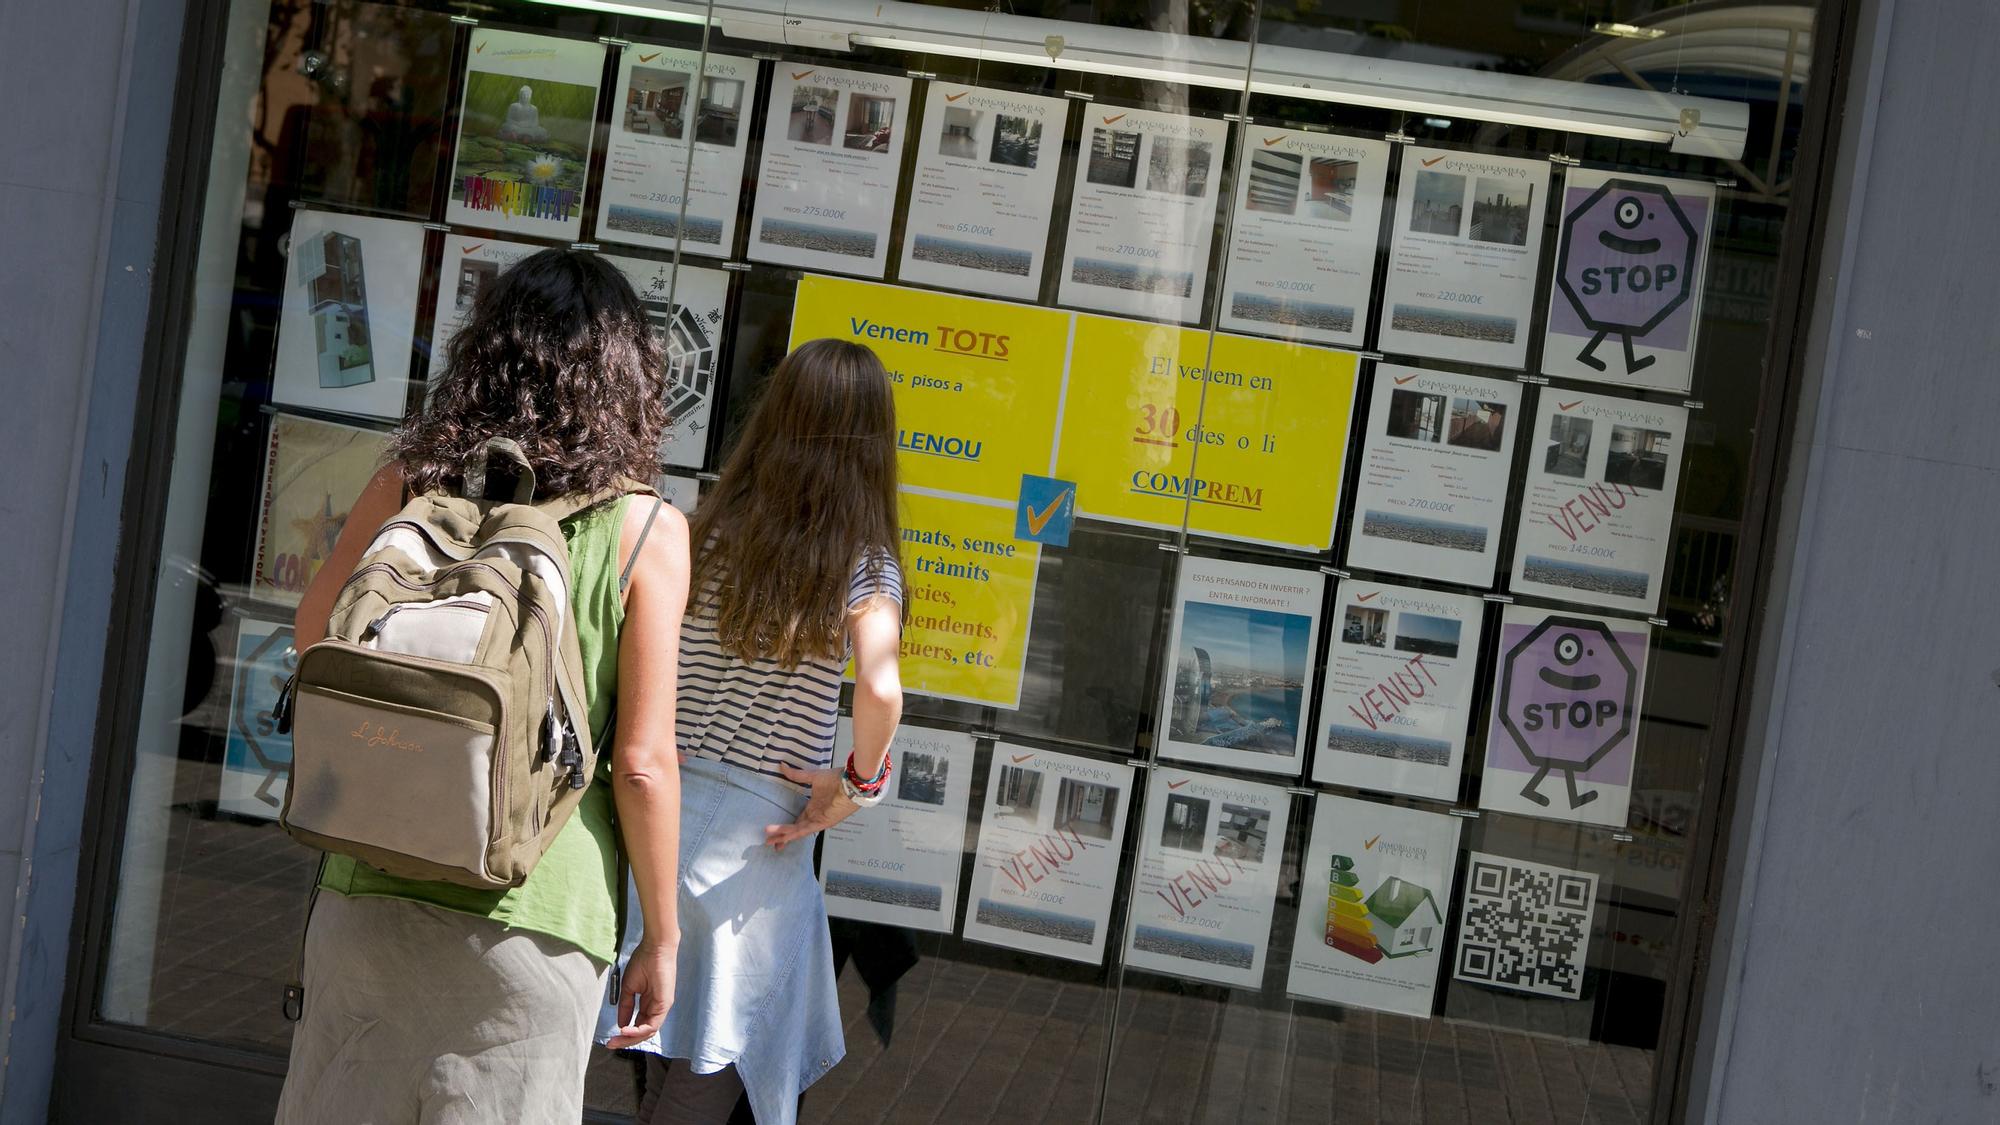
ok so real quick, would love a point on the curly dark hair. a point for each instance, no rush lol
(558, 354)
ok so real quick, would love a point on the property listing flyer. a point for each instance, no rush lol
(1564, 733)
(257, 760)
(1630, 260)
(1462, 264)
(1142, 218)
(1240, 437)
(978, 384)
(1434, 472)
(349, 313)
(1243, 644)
(1374, 888)
(524, 132)
(313, 473)
(1302, 245)
(897, 863)
(1047, 867)
(833, 152)
(985, 190)
(970, 588)
(1525, 926)
(654, 191)
(1209, 862)
(686, 311)
(1597, 516)
(1398, 695)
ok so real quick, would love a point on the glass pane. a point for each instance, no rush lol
(358, 196)
(1231, 345)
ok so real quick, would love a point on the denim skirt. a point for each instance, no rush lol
(755, 982)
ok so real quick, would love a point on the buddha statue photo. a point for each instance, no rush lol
(524, 121)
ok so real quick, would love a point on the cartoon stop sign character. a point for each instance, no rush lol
(1628, 261)
(1566, 695)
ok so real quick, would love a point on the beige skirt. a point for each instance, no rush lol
(415, 1014)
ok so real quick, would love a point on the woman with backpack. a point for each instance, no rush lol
(433, 1001)
(794, 573)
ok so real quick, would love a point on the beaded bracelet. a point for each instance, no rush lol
(869, 793)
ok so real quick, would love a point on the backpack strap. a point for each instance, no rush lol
(625, 576)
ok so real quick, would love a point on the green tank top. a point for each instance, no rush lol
(570, 895)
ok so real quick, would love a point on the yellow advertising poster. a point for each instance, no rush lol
(977, 382)
(971, 590)
(313, 473)
(1260, 460)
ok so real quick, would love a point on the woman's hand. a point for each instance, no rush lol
(648, 986)
(827, 807)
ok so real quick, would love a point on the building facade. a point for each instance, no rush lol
(1418, 539)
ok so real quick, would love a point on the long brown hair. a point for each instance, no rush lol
(809, 492)
(558, 355)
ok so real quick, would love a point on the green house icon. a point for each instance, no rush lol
(1406, 918)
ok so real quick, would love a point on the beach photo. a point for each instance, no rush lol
(1020, 794)
(971, 255)
(1363, 625)
(1569, 446)
(1138, 278)
(869, 122)
(1379, 524)
(1426, 635)
(656, 102)
(1274, 182)
(1242, 833)
(1240, 678)
(1500, 211)
(1453, 323)
(1184, 825)
(958, 133)
(888, 892)
(1041, 923)
(1382, 744)
(1583, 576)
(1288, 313)
(1086, 808)
(720, 114)
(1637, 458)
(1178, 167)
(1438, 207)
(1330, 189)
(1017, 141)
(923, 778)
(811, 120)
(1114, 158)
(813, 236)
(1415, 416)
(1477, 425)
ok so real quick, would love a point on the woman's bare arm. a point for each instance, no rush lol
(876, 627)
(645, 769)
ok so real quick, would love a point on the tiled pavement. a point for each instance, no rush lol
(972, 1043)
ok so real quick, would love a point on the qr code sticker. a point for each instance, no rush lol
(1525, 926)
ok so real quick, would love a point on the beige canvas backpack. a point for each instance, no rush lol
(441, 730)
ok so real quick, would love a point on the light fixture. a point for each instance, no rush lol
(1418, 88)
(1628, 31)
(656, 10)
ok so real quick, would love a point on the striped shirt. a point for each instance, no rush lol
(759, 714)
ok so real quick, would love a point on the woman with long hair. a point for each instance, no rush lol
(428, 1001)
(794, 573)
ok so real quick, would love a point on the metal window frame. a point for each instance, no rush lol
(159, 1075)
